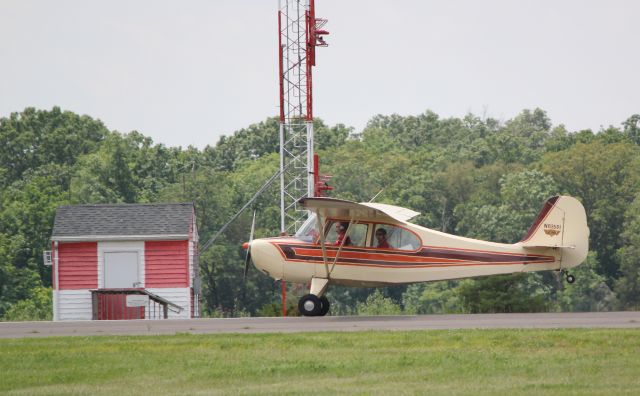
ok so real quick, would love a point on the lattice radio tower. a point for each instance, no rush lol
(300, 33)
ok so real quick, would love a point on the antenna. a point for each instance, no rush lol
(300, 32)
(376, 196)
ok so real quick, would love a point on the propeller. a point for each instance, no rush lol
(248, 247)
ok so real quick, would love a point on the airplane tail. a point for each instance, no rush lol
(562, 223)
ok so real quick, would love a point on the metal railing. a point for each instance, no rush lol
(133, 303)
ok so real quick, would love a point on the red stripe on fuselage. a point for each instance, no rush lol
(408, 266)
(422, 258)
(371, 256)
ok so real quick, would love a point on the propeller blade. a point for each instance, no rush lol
(248, 258)
(246, 266)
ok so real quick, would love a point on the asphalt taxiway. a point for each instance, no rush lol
(327, 323)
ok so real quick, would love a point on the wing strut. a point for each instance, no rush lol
(322, 243)
(346, 236)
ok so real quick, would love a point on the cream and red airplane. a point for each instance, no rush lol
(339, 242)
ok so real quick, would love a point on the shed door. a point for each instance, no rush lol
(120, 269)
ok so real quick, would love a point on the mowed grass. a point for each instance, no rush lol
(460, 362)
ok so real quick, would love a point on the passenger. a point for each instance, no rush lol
(381, 236)
(341, 230)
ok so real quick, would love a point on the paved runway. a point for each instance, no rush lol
(328, 323)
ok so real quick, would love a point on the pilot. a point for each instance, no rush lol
(381, 236)
(341, 229)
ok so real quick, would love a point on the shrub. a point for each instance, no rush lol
(378, 304)
(38, 307)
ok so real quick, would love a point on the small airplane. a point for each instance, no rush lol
(373, 244)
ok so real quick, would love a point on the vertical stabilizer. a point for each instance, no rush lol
(562, 223)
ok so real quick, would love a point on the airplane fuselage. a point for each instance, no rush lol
(438, 256)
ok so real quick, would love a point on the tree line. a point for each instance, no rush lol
(471, 176)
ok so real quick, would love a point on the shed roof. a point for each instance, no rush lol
(122, 221)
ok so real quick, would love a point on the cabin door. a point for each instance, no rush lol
(121, 270)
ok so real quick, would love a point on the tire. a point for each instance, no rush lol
(324, 301)
(571, 279)
(309, 305)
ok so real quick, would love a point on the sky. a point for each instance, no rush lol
(187, 72)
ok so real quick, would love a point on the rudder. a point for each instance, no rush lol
(562, 223)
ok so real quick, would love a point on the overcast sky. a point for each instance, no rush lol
(187, 72)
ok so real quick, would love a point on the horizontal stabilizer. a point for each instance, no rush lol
(554, 246)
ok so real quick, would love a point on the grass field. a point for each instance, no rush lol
(473, 362)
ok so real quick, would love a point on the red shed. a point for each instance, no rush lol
(105, 253)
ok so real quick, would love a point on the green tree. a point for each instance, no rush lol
(28, 209)
(378, 304)
(521, 196)
(632, 128)
(432, 298)
(627, 286)
(605, 178)
(129, 168)
(523, 138)
(38, 306)
(34, 138)
(18, 275)
(504, 294)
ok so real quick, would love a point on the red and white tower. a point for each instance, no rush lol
(300, 33)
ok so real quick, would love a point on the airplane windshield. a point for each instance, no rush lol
(308, 231)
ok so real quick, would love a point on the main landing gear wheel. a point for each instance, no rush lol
(310, 305)
(568, 277)
(325, 306)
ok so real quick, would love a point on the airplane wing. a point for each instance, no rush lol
(396, 212)
(369, 211)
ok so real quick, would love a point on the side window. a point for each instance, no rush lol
(357, 235)
(308, 231)
(391, 237)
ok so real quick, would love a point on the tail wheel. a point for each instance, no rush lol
(568, 277)
(310, 305)
(325, 306)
